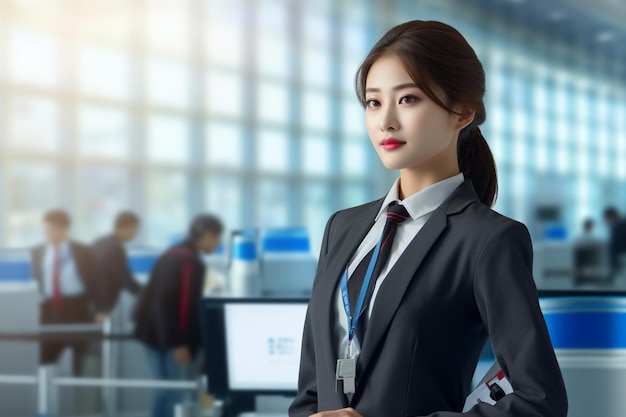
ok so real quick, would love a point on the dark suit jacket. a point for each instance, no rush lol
(617, 244)
(115, 273)
(88, 274)
(167, 313)
(467, 275)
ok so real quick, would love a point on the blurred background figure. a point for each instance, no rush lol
(588, 231)
(66, 272)
(617, 238)
(115, 274)
(167, 320)
(590, 257)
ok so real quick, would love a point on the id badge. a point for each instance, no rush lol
(346, 372)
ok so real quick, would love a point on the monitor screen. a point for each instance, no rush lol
(253, 345)
(548, 213)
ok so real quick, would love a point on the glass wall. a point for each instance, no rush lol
(247, 108)
(170, 108)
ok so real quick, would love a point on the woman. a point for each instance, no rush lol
(409, 287)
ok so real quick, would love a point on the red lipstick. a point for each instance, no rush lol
(389, 144)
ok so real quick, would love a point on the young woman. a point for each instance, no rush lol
(409, 287)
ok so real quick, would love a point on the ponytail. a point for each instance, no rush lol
(476, 163)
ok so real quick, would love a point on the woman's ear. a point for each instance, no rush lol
(464, 117)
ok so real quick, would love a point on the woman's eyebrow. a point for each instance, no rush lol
(396, 88)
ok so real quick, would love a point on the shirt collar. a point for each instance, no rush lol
(64, 247)
(424, 201)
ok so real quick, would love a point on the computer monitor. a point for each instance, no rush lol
(590, 262)
(252, 346)
(548, 213)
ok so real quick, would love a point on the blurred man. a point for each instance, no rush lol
(167, 319)
(588, 226)
(617, 237)
(66, 272)
(112, 261)
(589, 256)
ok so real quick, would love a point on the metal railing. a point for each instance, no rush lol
(47, 383)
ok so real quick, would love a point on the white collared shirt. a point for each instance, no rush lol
(419, 206)
(71, 284)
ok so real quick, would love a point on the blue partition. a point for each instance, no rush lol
(141, 262)
(586, 322)
(293, 239)
(15, 266)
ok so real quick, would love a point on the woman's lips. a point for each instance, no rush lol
(390, 144)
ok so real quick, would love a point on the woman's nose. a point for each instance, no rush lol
(388, 120)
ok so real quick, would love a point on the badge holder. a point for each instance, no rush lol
(346, 372)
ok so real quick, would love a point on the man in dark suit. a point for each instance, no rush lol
(115, 273)
(66, 272)
(617, 239)
(167, 315)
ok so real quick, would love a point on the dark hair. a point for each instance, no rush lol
(438, 58)
(126, 219)
(203, 223)
(588, 224)
(57, 217)
(611, 212)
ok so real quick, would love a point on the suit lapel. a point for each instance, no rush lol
(351, 232)
(393, 288)
(341, 251)
(400, 276)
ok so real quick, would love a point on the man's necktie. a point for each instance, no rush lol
(57, 297)
(396, 215)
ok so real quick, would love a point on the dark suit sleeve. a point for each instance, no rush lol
(617, 245)
(105, 281)
(506, 297)
(122, 268)
(613, 251)
(177, 325)
(305, 402)
(89, 273)
(115, 273)
(166, 298)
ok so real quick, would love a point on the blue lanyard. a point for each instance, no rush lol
(354, 321)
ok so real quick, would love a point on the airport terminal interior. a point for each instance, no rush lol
(163, 110)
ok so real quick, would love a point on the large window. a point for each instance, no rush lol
(247, 108)
(172, 108)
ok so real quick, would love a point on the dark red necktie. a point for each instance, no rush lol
(396, 215)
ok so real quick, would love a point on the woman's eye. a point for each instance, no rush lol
(372, 103)
(408, 99)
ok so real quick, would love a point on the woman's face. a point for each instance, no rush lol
(406, 127)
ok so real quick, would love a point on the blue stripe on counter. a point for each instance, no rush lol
(586, 322)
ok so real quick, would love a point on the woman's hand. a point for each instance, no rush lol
(344, 412)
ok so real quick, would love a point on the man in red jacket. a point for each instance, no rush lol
(167, 320)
